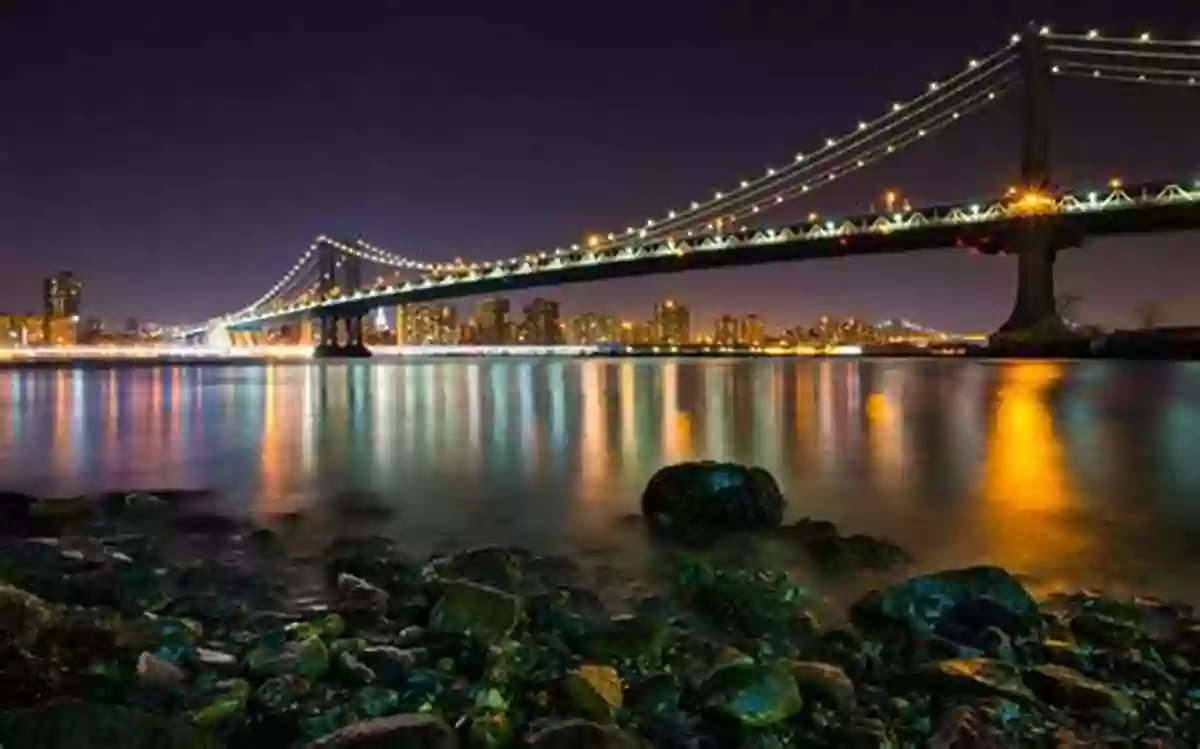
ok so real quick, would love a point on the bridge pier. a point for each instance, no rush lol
(1035, 308)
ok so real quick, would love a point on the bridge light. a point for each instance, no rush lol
(1145, 36)
(745, 184)
(813, 217)
(593, 241)
(1056, 69)
(830, 142)
(1044, 31)
(1093, 34)
(1091, 197)
(803, 188)
(778, 199)
(921, 133)
(611, 236)
(671, 214)
(799, 157)
(897, 106)
(933, 85)
(695, 205)
(891, 148)
(862, 125)
(1115, 183)
(1014, 39)
(991, 95)
(770, 171)
(718, 195)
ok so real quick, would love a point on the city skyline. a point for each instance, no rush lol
(545, 165)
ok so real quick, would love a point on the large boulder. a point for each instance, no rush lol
(713, 497)
(951, 601)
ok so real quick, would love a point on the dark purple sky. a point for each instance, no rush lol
(179, 155)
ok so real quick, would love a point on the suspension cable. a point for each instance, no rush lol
(864, 128)
(780, 178)
(1127, 53)
(929, 127)
(917, 132)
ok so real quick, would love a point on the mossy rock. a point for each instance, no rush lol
(481, 611)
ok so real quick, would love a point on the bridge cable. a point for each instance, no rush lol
(1131, 73)
(917, 132)
(930, 126)
(776, 179)
(864, 128)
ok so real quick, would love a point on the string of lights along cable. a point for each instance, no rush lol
(1142, 58)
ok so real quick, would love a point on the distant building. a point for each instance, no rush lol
(753, 331)
(591, 329)
(672, 323)
(491, 321)
(541, 326)
(725, 332)
(62, 295)
(427, 324)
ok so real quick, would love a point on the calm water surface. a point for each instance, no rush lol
(1073, 473)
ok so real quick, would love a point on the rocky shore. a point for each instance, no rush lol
(123, 626)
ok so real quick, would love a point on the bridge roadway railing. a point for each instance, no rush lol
(923, 228)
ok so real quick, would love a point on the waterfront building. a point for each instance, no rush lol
(725, 332)
(541, 326)
(671, 324)
(591, 329)
(753, 331)
(491, 322)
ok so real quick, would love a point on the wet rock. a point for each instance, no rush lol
(360, 599)
(595, 691)
(216, 659)
(656, 694)
(496, 566)
(404, 731)
(921, 603)
(865, 734)
(473, 609)
(158, 673)
(995, 643)
(823, 681)
(757, 604)
(74, 724)
(580, 734)
(23, 615)
(1104, 630)
(964, 727)
(753, 695)
(409, 636)
(280, 693)
(833, 552)
(392, 665)
(980, 677)
(1068, 688)
(713, 497)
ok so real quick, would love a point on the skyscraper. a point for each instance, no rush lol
(726, 331)
(754, 331)
(62, 295)
(491, 321)
(672, 323)
(542, 326)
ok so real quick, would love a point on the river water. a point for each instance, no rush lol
(1074, 474)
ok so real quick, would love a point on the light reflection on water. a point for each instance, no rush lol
(1075, 473)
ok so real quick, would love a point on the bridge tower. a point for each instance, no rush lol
(330, 262)
(1038, 240)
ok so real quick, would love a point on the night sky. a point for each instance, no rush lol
(179, 155)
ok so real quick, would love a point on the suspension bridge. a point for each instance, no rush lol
(1033, 221)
